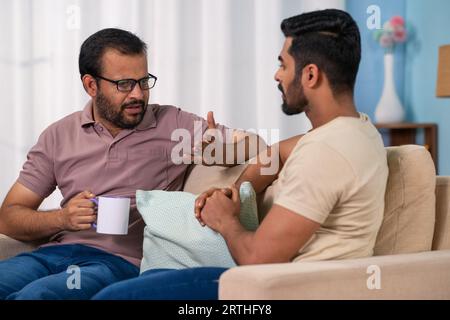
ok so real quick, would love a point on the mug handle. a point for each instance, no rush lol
(94, 201)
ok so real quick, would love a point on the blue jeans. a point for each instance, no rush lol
(61, 272)
(167, 284)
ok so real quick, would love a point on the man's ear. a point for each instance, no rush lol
(90, 85)
(311, 76)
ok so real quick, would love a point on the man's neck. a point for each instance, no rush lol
(326, 110)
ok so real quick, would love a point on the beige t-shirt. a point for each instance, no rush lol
(336, 175)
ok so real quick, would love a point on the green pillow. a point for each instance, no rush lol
(173, 238)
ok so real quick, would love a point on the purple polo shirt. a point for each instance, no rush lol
(76, 154)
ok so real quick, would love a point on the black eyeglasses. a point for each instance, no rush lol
(127, 85)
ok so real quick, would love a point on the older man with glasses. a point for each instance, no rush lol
(118, 143)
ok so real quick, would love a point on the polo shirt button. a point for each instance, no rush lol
(100, 128)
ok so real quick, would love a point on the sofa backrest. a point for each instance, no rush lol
(200, 178)
(409, 217)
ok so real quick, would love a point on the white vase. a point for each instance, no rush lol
(389, 108)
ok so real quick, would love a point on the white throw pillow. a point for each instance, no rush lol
(173, 238)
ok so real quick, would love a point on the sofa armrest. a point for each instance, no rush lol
(423, 275)
(441, 238)
(10, 247)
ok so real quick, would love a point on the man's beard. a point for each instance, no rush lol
(298, 99)
(110, 113)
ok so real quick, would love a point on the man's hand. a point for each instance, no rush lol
(211, 125)
(219, 209)
(197, 151)
(79, 213)
(220, 149)
(201, 200)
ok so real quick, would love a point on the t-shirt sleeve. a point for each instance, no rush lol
(312, 181)
(37, 173)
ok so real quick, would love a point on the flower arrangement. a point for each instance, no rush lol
(393, 32)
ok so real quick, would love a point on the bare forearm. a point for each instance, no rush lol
(239, 243)
(262, 173)
(25, 224)
(268, 164)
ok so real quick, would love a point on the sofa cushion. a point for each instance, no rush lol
(10, 247)
(441, 239)
(173, 238)
(409, 216)
(410, 276)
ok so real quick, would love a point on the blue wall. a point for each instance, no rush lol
(432, 22)
(415, 64)
(369, 83)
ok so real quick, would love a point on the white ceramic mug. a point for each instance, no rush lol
(113, 214)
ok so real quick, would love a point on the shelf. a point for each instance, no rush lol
(406, 133)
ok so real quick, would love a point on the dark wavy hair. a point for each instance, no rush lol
(329, 39)
(92, 49)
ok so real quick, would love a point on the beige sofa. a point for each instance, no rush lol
(412, 252)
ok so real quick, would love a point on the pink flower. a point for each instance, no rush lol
(400, 35)
(388, 27)
(397, 21)
(393, 31)
(386, 41)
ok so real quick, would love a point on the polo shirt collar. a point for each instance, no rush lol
(149, 120)
(87, 117)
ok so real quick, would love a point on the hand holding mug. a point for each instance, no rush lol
(79, 213)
